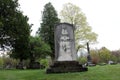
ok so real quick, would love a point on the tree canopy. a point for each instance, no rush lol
(38, 48)
(104, 54)
(83, 32)
(14, 29)
(21, 43)
(49, 20)
(8, 10)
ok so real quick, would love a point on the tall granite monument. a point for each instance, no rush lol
(65, 53)
(65, 43)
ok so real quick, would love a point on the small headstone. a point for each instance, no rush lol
(110, 62)
(20, 65)
(35, 65)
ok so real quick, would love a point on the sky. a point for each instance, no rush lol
(102, 15)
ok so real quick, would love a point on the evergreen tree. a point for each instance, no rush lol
(14, 29)
(8, 10)
(21, 42)
(46, 31)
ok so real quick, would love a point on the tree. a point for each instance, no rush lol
(38, 48)
(49, 20)
(115, 56)
(14, 29)
(8, 10)
(83, 32)
(95, 56)
(21, 43)
(104, 54)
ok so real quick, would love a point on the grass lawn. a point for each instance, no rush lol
(107, 72)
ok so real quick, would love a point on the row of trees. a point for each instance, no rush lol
(103, 55)
(15, 30)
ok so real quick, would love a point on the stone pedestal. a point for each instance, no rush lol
(65, 67)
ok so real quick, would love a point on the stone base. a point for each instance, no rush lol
(66, 66)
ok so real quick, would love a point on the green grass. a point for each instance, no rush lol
(107, 72)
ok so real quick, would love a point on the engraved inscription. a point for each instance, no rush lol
(65, 46)
(65, 42)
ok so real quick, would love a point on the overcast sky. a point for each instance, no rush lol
(102, 15)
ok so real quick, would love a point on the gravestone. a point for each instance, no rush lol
(35, 65)
(65, 53)
(65, 43)
(89, 60)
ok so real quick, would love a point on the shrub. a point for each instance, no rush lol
(82, 60)
(44, 62)
(9, 63)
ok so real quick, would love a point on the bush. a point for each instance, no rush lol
(44, 62)
(9, 63)
(82, 60)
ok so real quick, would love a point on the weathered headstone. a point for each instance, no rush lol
(65, 53)
(65, 42)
